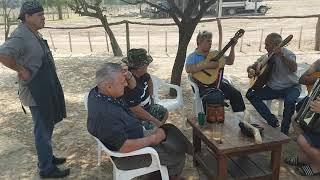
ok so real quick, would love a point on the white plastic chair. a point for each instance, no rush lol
(170, 104)
(197, 105)
(302, 67)
(119, 174)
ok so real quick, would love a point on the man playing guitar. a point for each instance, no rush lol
(194, 65)
(282, 83)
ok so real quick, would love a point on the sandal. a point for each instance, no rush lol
(306, 170)
(293, 161)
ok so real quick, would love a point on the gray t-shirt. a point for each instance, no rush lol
(24, 47)
(281, 76)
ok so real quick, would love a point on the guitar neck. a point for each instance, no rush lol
(221, 53)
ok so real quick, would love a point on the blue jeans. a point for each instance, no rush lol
(289, 96)
(42, 134)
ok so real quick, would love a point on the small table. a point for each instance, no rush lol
(238, 156)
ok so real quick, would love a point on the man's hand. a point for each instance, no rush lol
(158, 136)
(211, 65)
(251, 73)
(315, 105)
(24, 74)
(278, 51)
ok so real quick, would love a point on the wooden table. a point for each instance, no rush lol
(238, 156)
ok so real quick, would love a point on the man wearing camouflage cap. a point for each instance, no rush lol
(140, 98)
(39, 88)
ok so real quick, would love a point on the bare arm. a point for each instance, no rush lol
(307, 78)
(134, 144)
(143, 114)
(150, 89)
(292, 65)
(131, 80)
(23, 73)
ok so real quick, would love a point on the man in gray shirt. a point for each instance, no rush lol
(282, 83)
(39, 88)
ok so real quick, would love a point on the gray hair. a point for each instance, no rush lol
(203, 35)
(275, 38)
(107, 72)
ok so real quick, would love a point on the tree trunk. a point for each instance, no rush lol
(317, 38)
(185, 34)
(114, 44)
(59, 8)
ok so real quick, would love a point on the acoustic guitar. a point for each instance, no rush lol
(209, 76)
(260, 79)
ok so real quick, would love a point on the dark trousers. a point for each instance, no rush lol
(289, 96)
(42, 134)
(231, 93)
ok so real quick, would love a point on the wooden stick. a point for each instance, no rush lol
(106, 35)
(70, 43)
(127, 37)
(89, 38)
(54, 48)
(300, 37)
(260, 45)
(241, 44)
(148, 42)
(281, 32)
(166, 42)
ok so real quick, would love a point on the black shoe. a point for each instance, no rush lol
(56, 173)
(57, 161)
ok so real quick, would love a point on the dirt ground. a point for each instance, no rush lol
(76, 71)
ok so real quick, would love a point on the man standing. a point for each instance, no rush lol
(282, 83)
(39, 88)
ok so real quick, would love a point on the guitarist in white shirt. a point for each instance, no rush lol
(194, 65)
(282, 83)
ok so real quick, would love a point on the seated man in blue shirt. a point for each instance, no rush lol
(112, 122)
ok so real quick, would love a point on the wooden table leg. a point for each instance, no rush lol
(222, 167)
(196, 146)
(275, 162)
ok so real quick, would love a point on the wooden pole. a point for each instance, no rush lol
(70, 43)
(89, 39)
(106, 35)
(54, 48)
(166, 42)
(300, 37)
(281, 31)
(261, 37)
(241, 44)
(220, 33)
(127, 37)
(148, 42)
(317, 37)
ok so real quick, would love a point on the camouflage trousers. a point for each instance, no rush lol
(156, 111)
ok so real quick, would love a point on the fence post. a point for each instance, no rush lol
(148, 42)
(281, 31)
(241, 44)
(317, 38)
(89, 38)
(261, 40)
(70, 43)
(106, 35)
(127, 36)
(166, 42)
(300, 37)
(54, 48)
(220, 33)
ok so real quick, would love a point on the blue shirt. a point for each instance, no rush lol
(111, 121)
(195, 58)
